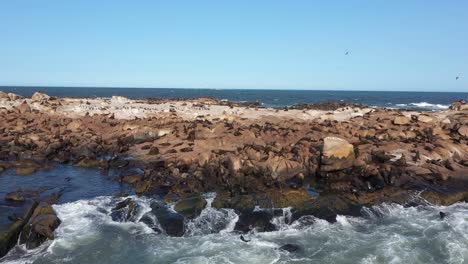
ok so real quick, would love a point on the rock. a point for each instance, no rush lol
(23, 171)
(14, 97)
(9, 237)
(4, 96)
(190, 207)
(328, 207)
(154, 151)
(337, 154)
(401, 120)
(124, 211)
(258, 220)
(24, 108)
(172, 223)
(233, 164)
(463, 130)
(21, 195)
(37, 96)
(426, 119)
(75, 125)
(290, 248)
(442, 215)
(91, 163)
(40, 226)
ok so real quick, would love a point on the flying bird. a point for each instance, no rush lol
(347, 53)
(456, 78)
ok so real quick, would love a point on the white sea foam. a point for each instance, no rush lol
(423, 105)
(385, 234)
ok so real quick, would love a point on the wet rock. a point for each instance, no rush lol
(25, 171)
(258, 220)
(40, 226)
(92, 163)
(337, 154)
(290, 248)
(328, 207)
(401, 120)
(9, 237)
(125, 211)
(190, 207)
(37, 96)
(172, 223)
(22, 195)
(442, 215)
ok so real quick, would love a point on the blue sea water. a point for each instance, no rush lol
(269, 98)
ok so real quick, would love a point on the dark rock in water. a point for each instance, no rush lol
(290, 248)
(442, 215)
(171, 222)
(124, 211)
(243, 238)
(328, 207)
(190, 207)
(9, 237)
(259, 220)
(150, 220)
(21, 195)
(40, 226)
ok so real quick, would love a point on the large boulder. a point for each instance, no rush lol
(172, 223)
(401, 120)
(337, 154)
(40, 226)
(37, 96)
(463, 130)
(190, 207)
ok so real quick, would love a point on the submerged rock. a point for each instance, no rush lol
(290, 248)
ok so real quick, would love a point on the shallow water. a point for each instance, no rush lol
(385, 234)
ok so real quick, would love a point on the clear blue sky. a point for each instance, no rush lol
(393, 44)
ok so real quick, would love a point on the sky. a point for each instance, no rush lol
(417, 45)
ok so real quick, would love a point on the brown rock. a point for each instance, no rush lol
(463, 130)
(337, 154)
(24, 108)
(37, 96)
(401, 120)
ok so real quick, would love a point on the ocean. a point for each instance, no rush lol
(387, 233)
(268, 98)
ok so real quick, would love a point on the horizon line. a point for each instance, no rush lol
(204, 88)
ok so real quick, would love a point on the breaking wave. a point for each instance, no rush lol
(385, 234)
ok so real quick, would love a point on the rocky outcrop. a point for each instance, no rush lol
(37, 96)
(337, 154)
(40, 226)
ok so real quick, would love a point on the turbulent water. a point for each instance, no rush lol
(269, 98)
(385, 234)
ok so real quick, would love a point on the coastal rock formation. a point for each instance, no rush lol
(318, 162)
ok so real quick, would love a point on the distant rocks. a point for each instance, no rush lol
(37, 96)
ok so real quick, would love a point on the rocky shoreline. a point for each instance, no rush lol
(324, 160)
